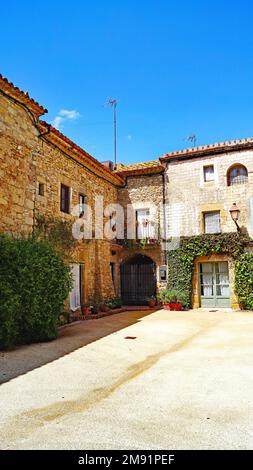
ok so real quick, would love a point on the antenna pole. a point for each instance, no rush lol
(113, 104)
(115, 135)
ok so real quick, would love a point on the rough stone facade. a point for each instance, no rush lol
(189, 196)
(27, 160)
(145, 192)
(32, 153)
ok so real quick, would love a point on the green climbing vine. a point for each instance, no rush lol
(181, 260)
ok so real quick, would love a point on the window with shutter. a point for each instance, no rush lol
(82, 205)
(75, 294)
(208, 173)
(65, 198)
(143, 224)
(212, 222)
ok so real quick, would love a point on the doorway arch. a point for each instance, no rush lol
(138, 279)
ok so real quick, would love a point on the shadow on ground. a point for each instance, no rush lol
(26, 358)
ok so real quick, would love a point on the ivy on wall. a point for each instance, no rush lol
(244, 281)
(181, 260)
(58, 233)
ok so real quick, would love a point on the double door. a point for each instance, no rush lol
(214, 284)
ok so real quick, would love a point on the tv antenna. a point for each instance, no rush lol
(112, 103)
(192, 138)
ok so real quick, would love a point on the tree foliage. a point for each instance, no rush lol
(244, 281)
(34, 282)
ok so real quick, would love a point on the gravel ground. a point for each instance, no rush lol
(184, 382)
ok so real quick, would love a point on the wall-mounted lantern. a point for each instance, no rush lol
(235, 212)
(163, 273)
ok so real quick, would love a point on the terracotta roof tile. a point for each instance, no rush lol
(140, 168)
(202, 150)
(23, 97)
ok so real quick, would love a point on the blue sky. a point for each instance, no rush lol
(176, 68)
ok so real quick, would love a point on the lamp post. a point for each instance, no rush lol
(234, 212)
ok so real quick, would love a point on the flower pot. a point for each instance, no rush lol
(151, 303)
(85, 310)
(172, 306)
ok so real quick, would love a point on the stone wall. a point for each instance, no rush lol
(143, 192)
(18, 141)
(25, 161)
(189, 196)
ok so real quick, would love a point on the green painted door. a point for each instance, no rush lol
(214, 285)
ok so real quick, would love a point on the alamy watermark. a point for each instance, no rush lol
(154, 224)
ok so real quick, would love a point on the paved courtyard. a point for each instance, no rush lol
(184, 382)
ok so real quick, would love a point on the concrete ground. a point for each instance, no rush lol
(185, 382)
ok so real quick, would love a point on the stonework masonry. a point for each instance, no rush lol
(190, 196)
(32, 154)
(27, 160)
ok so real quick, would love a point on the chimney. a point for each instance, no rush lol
(108, 164)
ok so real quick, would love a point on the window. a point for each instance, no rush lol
(75, 294)
(82, 205)
(208, 173)
(145, 227)
(41, 189)
(212, 222)
(238, 174)
(112, 267)
(65, 198)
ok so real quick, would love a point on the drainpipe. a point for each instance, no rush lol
(164, 209)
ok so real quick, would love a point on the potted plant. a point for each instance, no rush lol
(172, 299)
(151, 301)
(85, 309)
(114, 302)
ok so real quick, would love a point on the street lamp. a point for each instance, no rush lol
(234, 212)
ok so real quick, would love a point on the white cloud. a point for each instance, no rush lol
(129, 137)
(69, 114)
(64, 115)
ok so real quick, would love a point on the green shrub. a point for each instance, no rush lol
(173, 296)
(244, 281)
(114, 302)
(34, 282)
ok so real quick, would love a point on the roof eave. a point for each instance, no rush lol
(141, 171)
(206, 152)
(9, 89)
(54, 136)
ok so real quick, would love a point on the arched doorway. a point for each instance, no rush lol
(138, 279)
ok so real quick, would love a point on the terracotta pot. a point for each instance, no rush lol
(85, 310)
(172, 306)
(151, 303)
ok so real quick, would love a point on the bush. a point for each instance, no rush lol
(173, 296)
(34, 282)
(114, 302)
(244, 281)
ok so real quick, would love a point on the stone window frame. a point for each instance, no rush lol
(41, 188)
(215, 181)
(244, 179)
(205, 167)
(67, 185)
(84, 195)
(204, 221)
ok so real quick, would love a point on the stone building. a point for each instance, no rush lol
(142, 264)
(184, 193)
(43, 173)
(198, 187)
(202, 185)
